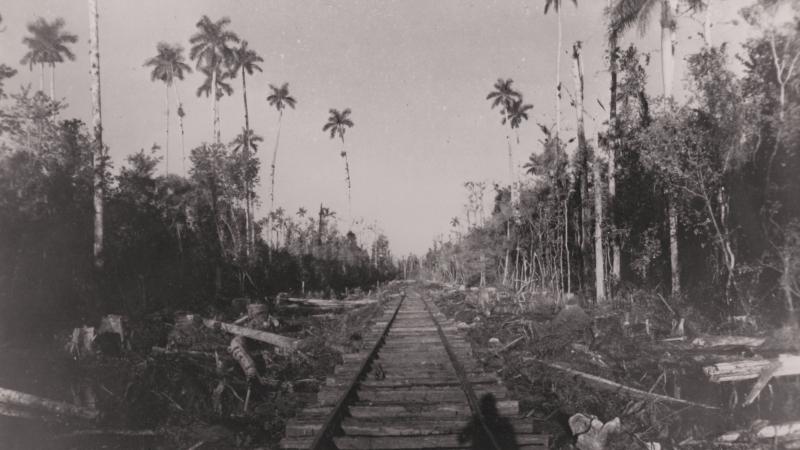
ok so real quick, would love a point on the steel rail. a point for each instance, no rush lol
(324, 437)
(466, 386)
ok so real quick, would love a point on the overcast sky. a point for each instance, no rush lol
(414, 72)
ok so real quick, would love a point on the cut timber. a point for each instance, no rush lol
(421, 442)
(608, 385)
(725, 341)
(45, 405)
(750, 369)
(780, 430)
(238, 350)
(320, 303)
(256, 335)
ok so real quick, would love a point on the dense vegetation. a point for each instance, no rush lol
(695, 199)
(166, 240)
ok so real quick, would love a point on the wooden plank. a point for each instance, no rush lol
(365, 410)
(41, 404)
(750, 369)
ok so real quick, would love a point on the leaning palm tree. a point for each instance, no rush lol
(337, 125)
(168, 65)
(211, 48)
(98, 158)
(625, 14)
(556, 4)
(279, 99)
(47, 45)
(246, 60)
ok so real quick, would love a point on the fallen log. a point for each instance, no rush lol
(780, 430)
(239, 352)
(727, 341)
(46, 405)
(608, 385)
(750, 369)
(108, 432)
(332, 303)
(256, 335)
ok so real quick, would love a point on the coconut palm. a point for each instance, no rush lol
(556, 4)
(503, 94)
(47, 45)
(211, 48)
(624, 15)
(337, 125)
(246, 60)
(98, 157)
(168, 65)
(279, 99)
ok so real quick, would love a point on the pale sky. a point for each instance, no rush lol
(414, 72)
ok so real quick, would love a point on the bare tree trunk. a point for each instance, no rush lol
(249, 242)
(98, 160)
(667, 46)
(566, 246)
(599, 262)
(673, 247)
(272, 167)
(583, 149)
(707, 24)
(613, 146)
(41, 77)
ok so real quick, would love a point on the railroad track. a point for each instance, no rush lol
(415, 386)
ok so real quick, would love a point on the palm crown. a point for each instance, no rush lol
(625, 14)
(245, 59)
(47, 43)
(169, 64)
(516, 112)
(248, 137)
(338, 123)
(211, 43)
(556, 4)
(280, 97)
(503, 94)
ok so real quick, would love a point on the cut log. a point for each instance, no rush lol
(321, 303)
(608, 385)
(238, 350)
(592, 433)
(257, 335)
(750, 369)
(725, 341)
(782, 430)
(46, 405)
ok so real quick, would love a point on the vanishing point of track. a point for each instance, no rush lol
(415, 386)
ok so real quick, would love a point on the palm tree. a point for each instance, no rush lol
(47, 45)
(556, 4)
(247, 60)
(279, 99)
(211, 48)
(168, 65)
(337, 125)
(220, 86)
(624, 14)
(516, 112)
(97, 133)
(510, 101)
(503, 94)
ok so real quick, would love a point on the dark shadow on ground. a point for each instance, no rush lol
(500, 428)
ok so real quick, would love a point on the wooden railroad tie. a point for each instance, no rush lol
(415, 385)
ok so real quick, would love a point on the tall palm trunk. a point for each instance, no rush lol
(667, 69)
(272, 165)
(52, 81)
(214, 114)
(248, 204)
(179, 108)
(583, 149)
(347, 179)
(97, 133)
(41, 77)
(166, 146)
(558, 80)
